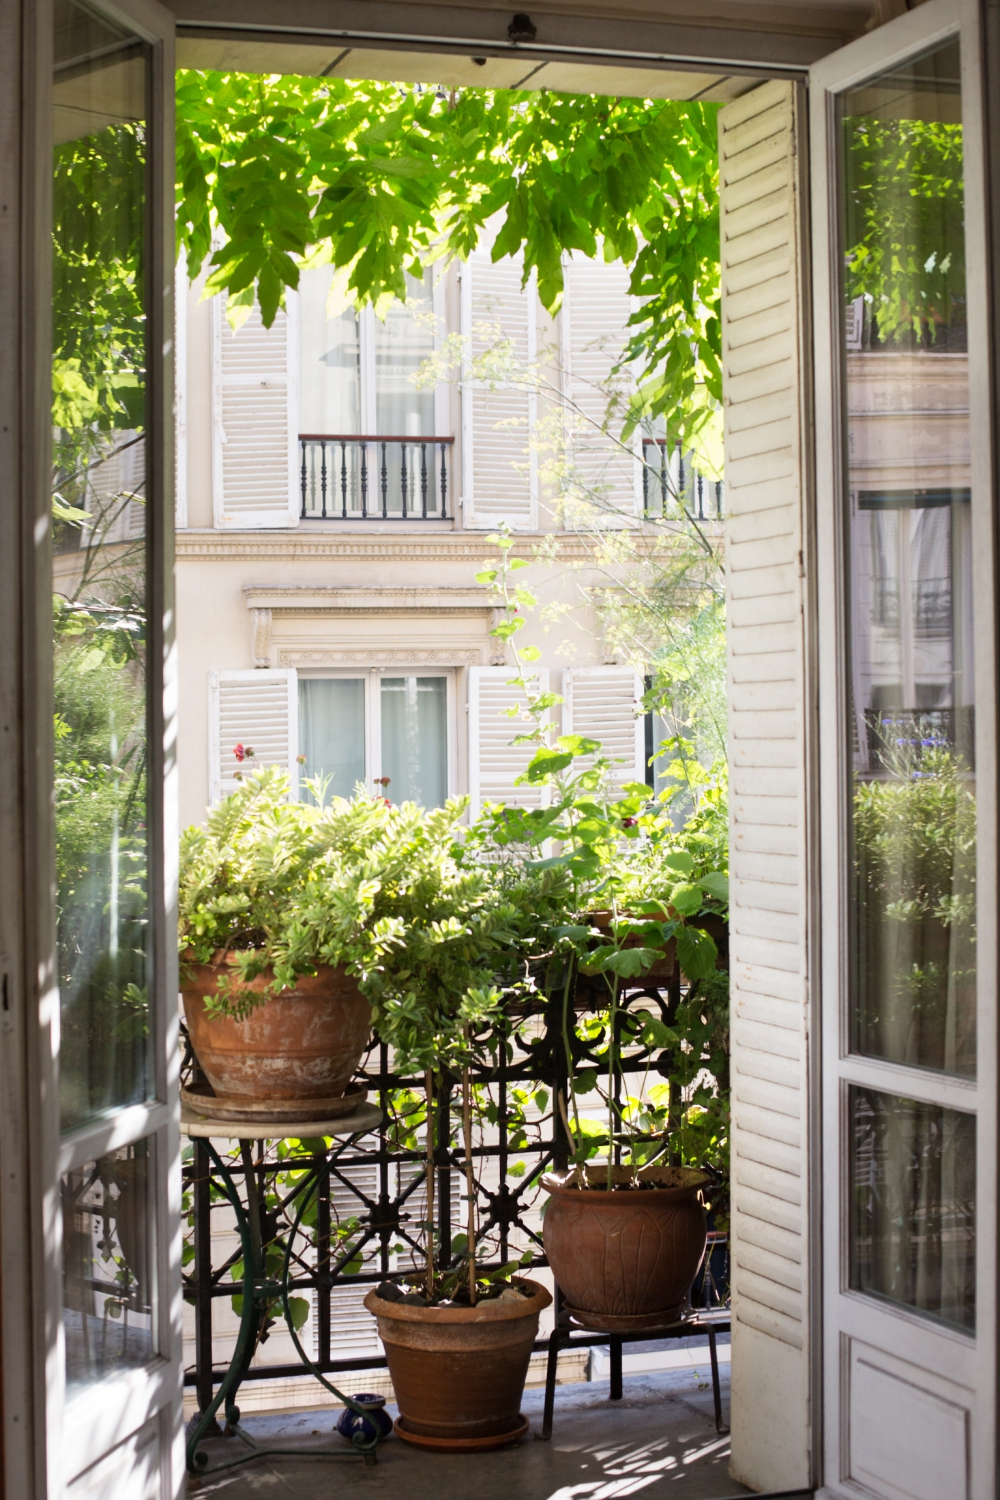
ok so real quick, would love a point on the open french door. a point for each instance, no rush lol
(109, 1080)
(907, 761)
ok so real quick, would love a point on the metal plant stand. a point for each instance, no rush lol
(261, 1292)
(567, 1334)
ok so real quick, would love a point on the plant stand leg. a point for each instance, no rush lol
(716, 1387)
(615, 1393)
(555, 1342)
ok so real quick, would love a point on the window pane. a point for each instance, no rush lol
(99, 527)
(402, 343)
(415, 739)
(910, 613)
(331, 381)
(108, 1265)
(332, 733)
(913, 1205)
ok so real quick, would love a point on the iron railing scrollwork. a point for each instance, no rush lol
(368, 1215)
(350, 477)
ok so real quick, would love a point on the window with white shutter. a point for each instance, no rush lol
(499, 468)
(593, 332)
(255, 421)
(494, 763)
(601, 703)
(258, 709)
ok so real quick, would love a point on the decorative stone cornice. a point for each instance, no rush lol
(383, 656)
(364, 599)
(361, 547)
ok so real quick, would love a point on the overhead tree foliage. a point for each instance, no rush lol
(377, 178)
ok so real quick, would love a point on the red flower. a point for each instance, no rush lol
(240, 753)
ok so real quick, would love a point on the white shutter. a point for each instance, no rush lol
(764, 457)
(593, 332)
(601, 703)
(259, 709)
(255, 466)
(499, 467)
(494, 763)
(181, 292)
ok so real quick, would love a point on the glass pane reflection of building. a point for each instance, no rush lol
(910, 586)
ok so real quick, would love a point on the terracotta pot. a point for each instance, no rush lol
(302, 1044)
(626, 1259)
(459, 1372)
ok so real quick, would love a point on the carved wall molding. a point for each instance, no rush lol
(311, 546)
(260, 637)
(382, 656)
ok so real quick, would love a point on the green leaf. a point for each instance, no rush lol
(687, 899)
(696, 952)
(298, 1308)
(716, 885)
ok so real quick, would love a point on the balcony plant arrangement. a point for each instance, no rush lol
(300, 923)
(624, 1237)
(458, 1341)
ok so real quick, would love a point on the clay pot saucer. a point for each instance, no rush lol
(234, 1111)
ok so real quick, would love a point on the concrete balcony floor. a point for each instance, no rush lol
(660, 1440)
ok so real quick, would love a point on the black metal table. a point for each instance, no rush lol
(569, 1334)
(261, 1292)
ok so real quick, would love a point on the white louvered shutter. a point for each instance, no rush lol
(255, 467)
(499, 466)
(601, 703)
(494, 763)
(258, 709)
(593, 332)
(765, 463)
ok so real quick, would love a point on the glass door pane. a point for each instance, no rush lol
(415, 739)
(910, 622)
(99, 492)
(332, 734)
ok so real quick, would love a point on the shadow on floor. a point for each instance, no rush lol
(660, 1440)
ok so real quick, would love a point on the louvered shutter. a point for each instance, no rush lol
(255, 480)
(494, 763)
(601, 703)
(256, 708)
(593, 332)
(764, 456)
(499, 468)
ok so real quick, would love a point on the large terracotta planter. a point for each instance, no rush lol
(304, 1043)
(459, 1372)
(626, 1259)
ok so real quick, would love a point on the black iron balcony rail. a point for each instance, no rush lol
(668, 487)
(354, 477)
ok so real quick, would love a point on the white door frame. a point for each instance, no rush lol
(949, 1362)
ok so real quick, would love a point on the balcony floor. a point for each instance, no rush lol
(659, 1439)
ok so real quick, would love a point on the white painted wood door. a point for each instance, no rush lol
(906, 754)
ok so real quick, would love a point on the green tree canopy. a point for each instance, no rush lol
(377, 178)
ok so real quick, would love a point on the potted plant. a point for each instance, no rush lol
(458, 1342)
(301, 922)
(624, 1238)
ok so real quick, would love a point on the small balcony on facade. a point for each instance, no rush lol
(354, 477)
(671, 483)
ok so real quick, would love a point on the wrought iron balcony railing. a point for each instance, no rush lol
(352, 477)
(670, 485)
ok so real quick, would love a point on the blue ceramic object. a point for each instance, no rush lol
(375, 1422)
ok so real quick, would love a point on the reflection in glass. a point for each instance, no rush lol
(332, 733)
(414, 739)
(913, 1205)
(402, 342)
(331, 378)
(910, 588)
(108, 1275)
(99, 526)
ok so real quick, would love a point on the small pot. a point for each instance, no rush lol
(626, 1259)
(303, 1043)
(459, 1372)
(376, 1421)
